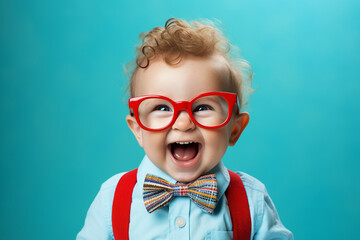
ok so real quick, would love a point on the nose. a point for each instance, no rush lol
(183, 122)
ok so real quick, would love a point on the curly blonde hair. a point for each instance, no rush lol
(201, 39)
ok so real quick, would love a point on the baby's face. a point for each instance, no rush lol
(169, 149)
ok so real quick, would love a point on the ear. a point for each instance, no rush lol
(241, 120)
(135, 128)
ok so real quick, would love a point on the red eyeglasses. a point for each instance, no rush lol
(207, 110)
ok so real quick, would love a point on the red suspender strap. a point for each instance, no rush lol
(122, 204)
(235, 193)
(239, 208)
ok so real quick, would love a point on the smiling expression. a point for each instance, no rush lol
(186, 151)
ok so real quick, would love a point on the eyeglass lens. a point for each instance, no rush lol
(209, 111)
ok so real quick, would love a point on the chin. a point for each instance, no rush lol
(185, 177)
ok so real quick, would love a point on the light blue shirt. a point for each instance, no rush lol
(182, 218)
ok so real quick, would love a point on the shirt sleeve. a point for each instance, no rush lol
(270, 226)
(98, 224)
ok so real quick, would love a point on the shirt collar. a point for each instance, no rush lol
(148, 167)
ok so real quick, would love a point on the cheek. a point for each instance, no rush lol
(154, 144)
(217, 141)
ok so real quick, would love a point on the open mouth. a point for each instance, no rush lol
(184, 151)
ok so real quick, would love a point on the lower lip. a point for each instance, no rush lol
(186, 164)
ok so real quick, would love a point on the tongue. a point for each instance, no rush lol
(185, 152)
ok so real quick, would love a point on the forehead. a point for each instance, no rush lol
(190, 77)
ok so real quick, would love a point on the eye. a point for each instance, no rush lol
(162, 108)
(203, 107)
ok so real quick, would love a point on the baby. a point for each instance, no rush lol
(185, 110)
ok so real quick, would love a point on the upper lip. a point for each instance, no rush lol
(183, 141)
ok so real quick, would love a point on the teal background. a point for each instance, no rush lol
(63, 108)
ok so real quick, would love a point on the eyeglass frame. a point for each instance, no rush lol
(231, 99)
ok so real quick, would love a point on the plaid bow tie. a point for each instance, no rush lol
(158, 192)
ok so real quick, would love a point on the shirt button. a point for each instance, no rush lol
(180, 222)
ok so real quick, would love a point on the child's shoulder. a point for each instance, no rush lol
(251, 183)
(112, 182)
